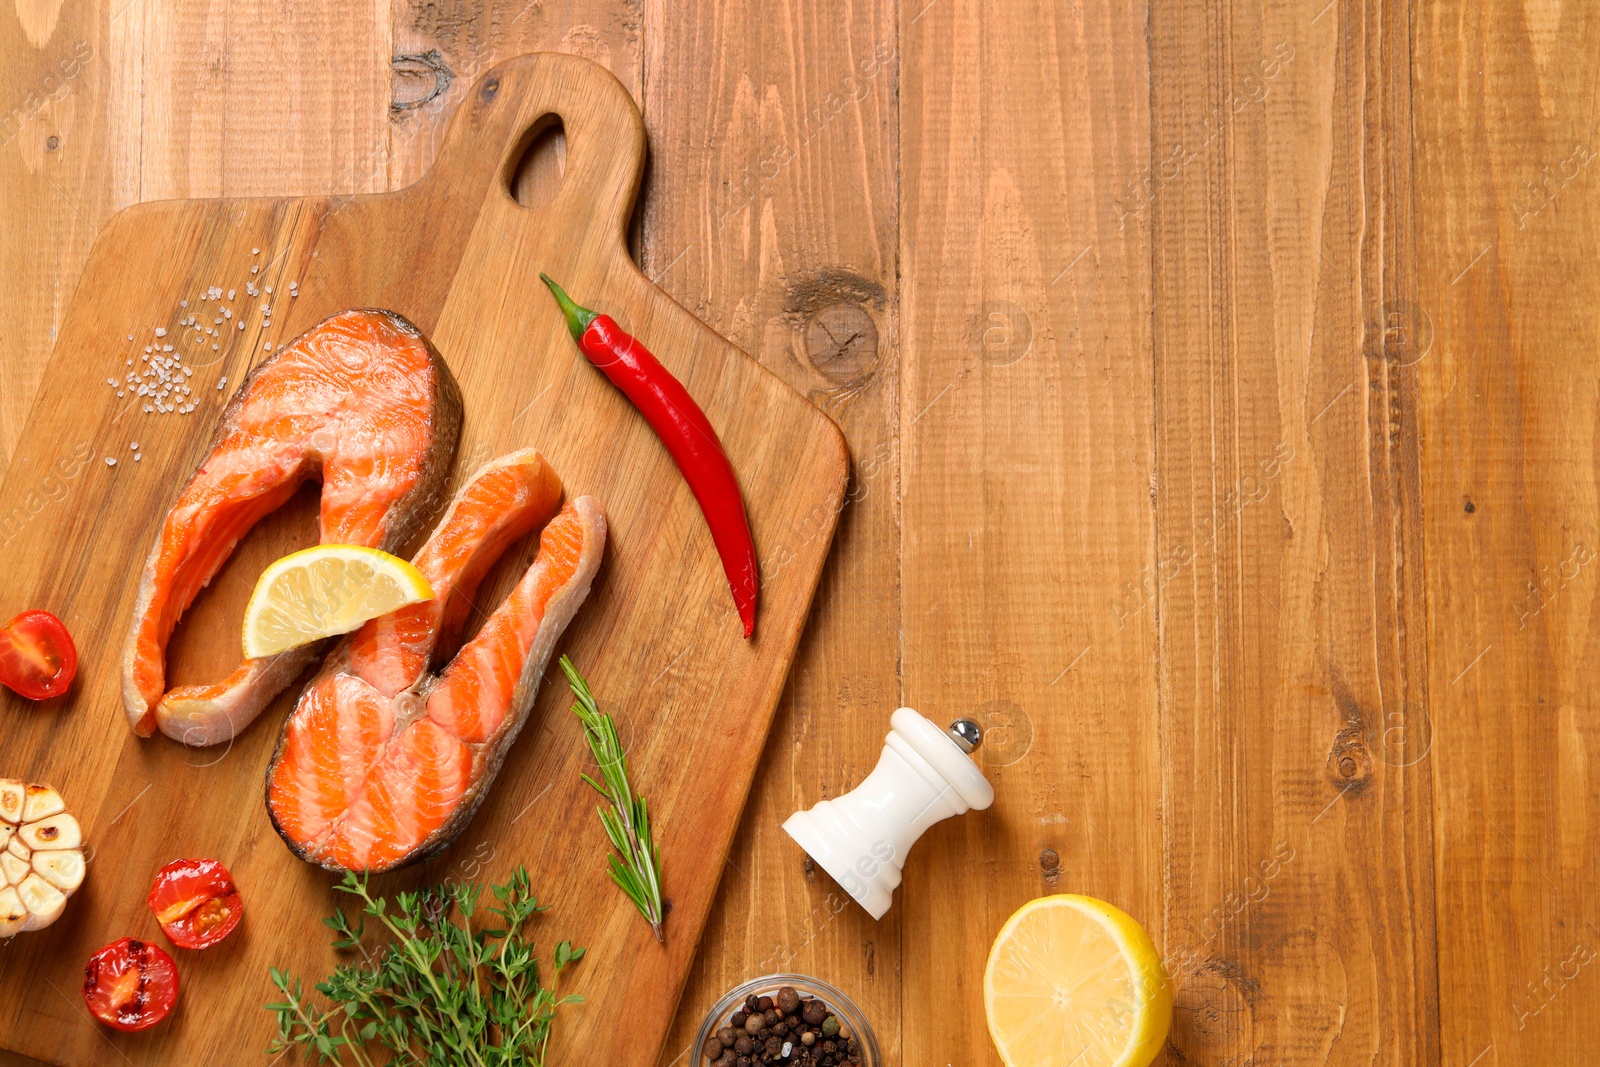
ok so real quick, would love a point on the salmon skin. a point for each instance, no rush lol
(361, 400)
(383, 762)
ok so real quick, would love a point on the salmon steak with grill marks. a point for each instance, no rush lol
(383, 762)
(362, 400)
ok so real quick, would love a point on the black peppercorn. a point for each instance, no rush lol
(764, 1004)
(752, 1004)
(744, 1045)
(737, 1022)
(788, 999)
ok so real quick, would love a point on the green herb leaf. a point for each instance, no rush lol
(438, 992)
(627, 821)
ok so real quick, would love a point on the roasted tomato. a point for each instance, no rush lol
(195, 902)
(130, 985)
(37, 657)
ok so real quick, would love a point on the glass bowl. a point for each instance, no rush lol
(806, 986)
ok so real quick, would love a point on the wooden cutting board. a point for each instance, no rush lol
(658, 639)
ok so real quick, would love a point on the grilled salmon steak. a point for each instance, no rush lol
(361, 400)
(383, 762)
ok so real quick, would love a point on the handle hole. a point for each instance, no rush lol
(539, 163)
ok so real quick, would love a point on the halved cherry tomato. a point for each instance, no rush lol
(195, 902)
(37, 656)
(130, 985)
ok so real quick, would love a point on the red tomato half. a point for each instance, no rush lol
(37, 656)
(195, 902)
(130, 985)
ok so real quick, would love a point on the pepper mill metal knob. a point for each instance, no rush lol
(924, 775)
(967, 734)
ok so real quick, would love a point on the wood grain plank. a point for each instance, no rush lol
(1508, 234)
(440, 49)
(55, 192)
(1029, 535)
(772, 214)
(1293, 663)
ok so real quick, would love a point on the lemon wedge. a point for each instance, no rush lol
(1073, 980)
(324, 591)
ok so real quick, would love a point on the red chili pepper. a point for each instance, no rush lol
(669, 409)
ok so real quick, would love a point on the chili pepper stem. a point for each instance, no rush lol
(578, 317)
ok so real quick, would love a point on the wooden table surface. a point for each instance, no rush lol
(1221, 388)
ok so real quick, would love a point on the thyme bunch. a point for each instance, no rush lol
(440, 993)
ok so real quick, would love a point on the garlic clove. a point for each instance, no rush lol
(58, 831)
(44, 902)
(13, 869)
(13, 915)
(12, 795)
(19, 850)
(41, 802)
(63, 869)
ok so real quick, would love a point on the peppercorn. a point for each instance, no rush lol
(815, 1011)
(726, 1059)
(764, 1004)
(755, 1024)
(844, 1032)
(830, 1026)
(737, 1021)
(808, 1038)
(788, 999)
(713, 1048)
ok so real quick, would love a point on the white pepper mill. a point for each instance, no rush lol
(924, 775)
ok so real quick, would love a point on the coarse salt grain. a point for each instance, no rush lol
(255, 251)
(231, 292)
(255, 268)
(137, 457)
(161, 331)
(110, 462)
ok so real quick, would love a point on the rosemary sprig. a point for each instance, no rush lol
(440, 993)
(627, 822)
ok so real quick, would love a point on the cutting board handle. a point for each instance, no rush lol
(507, 109)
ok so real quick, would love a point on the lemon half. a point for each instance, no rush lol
(324, 591)
(1074, 982)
